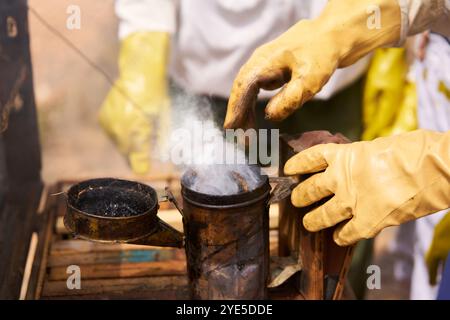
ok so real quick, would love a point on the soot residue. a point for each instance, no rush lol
(113, 201)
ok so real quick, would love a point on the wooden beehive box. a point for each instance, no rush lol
(107, 271)
(324, 264)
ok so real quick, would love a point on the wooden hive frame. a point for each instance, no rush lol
(324, 264)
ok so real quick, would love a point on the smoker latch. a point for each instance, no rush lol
(283, 188)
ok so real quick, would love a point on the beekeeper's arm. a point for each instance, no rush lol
(376, 184)
(136, 109)
(303, 58)
(369, 185)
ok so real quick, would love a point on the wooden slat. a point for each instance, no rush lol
(125, 270)
(115, 257)
(73, 246)
(126, 287)
(45, 233)
(29, 265)
(16, 226)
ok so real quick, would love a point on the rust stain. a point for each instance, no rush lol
(227, 247)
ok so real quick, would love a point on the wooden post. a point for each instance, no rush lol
(324, 264)
(20, 159)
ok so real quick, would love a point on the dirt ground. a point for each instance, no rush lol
(69, 92)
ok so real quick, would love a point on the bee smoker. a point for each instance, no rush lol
(227, 242)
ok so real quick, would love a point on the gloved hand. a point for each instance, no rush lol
(304, 57)
(375, 184)
(406, 115)
(136, 112)
(440, 247)
(384, 92)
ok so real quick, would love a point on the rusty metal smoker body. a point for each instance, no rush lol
(227, 243)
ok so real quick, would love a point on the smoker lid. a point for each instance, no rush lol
(211, 200)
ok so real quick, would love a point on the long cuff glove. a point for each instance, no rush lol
(304, 57)
(136, 111)
(373, 184)
(439, 249)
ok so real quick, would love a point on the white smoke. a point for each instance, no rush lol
(198, 144)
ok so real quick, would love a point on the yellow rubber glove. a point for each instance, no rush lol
(406, 115)
(440, 247)
(136, 111)
(374, 184)
(304, 57)
(383, 90)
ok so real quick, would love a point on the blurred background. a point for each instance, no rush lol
(69, 91)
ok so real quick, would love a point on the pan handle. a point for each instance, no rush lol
(170, 197)
(165, 235)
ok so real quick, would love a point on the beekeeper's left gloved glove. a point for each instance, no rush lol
(305, 56)
(439, 249)
(136, 112)
(373, 184)
(389, 103)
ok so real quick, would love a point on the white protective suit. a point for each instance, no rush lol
(211, 39)
(433, 85)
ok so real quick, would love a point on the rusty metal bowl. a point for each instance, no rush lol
(114, 210)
